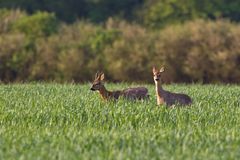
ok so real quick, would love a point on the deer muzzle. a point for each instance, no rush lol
(92, 89)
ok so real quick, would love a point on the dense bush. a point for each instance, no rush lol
(129, 57)
(156, 13)
(19, 34)
(162, 13)
(8, 17)
(39, 24)
(65, 56)
(204, 51)
(198, 51)
(70, 11)
(75, 54)
(13, 57)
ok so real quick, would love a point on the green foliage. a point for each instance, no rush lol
(158, 14)
(52, 121)
(198, 51)
(39, 24)
(8, 18)
(70, 11)
(13, 57)
(203, 50)
(152, 13)
(102, 38)
(163, 13)
(101, 10)
(18, 35)
(72, 54)
(129, 56)
(219, 9)
(64, 10)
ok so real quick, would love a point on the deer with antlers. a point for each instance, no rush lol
(138, 93)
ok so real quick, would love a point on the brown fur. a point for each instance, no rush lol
(166, 97)
(106, 95)
(138, 93)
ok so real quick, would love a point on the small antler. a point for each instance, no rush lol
(97, 74)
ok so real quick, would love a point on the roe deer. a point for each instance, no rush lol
(165, 96)
(138, 93)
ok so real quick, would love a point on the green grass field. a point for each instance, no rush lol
(54, 121)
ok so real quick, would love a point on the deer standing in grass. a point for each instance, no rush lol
(138, 93)
(166, 97)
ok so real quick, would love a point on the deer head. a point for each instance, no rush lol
(157, 74)
(97, 84)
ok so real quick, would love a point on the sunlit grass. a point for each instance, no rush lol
(54, 121)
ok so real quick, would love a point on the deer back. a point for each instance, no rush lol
(136, 93)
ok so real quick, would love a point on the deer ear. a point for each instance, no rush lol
(161, 70)
(102, 77)
(96, 75)
(154, 69)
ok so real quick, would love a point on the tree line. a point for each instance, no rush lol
(151, 13)
(41, 47)
(197, 40)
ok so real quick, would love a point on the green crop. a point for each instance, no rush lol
(68, 121)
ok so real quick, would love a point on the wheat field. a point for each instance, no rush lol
(68, 121)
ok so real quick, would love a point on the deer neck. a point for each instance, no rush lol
(159, 92)
(104, 92)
